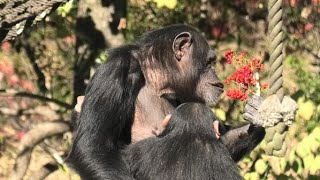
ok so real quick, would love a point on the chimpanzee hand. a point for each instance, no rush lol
(78, 106)
(270, 111)
(165, 123)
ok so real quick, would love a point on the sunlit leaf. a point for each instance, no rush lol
(315, 166)
(292, 157)
(65, 9)
(300, 166)
(252, 176)
(303, 149)
(316, 133)
(306, 109)
(171, 4)
(283, 164)
(308, 161)
(275, 165)
(220, 114)
(260, 166)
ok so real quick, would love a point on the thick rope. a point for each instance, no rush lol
(275, 136)
(6, 1)
(16, 13)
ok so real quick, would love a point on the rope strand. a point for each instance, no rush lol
(275, 136)
(12, 14)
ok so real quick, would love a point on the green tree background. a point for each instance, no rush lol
(47, 66)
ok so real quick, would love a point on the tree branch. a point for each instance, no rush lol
(14, 93)
(41, 80)
(30, 140)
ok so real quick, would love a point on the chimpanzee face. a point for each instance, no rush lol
(195, 59)
(209, 87)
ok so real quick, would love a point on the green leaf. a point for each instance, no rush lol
(275, 165)
(308, 161)
(303, 149)
(252, 176)
(171, 4)
(306, 109)
(65, 9)
(2, 138)
(246, 160)
(314, 145)
(283, 164)
(316, 133)
(315, 167)
(300, 167)
(220, 114)
(260, 166)
(292, 157)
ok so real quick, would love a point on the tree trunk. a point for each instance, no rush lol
(94, 33)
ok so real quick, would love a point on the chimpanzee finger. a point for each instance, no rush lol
(79, 103)
(216, 129)
(166, 120)
(155, 132)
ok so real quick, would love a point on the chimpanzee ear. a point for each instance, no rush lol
(181, 44)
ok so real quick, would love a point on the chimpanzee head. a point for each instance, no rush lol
(179, 63)
(190, 118)
(186, 149)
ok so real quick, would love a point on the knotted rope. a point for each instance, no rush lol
(275, 136)
(16, 14)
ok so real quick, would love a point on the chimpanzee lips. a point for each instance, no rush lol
(212, 95)
(218, 84)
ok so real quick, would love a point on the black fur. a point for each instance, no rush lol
(104, 124)
(186, 149)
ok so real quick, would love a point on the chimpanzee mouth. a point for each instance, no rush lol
(218, 85)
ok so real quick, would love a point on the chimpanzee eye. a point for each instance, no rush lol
(210, 62)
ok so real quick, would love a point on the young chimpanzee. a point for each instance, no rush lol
(186, 149)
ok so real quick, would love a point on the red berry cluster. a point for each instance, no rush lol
(229, 55)
(237, 94)
(242, 78)
(264, 86)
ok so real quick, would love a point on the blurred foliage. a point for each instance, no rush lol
(237, 25)
(302, 159)
(171, 4)
(309, 85)
(65, 8)
(153, 14)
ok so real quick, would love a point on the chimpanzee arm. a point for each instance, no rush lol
(240, 141)
(103, 127)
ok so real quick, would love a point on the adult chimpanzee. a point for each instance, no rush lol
(186, 149)
(132, 92)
